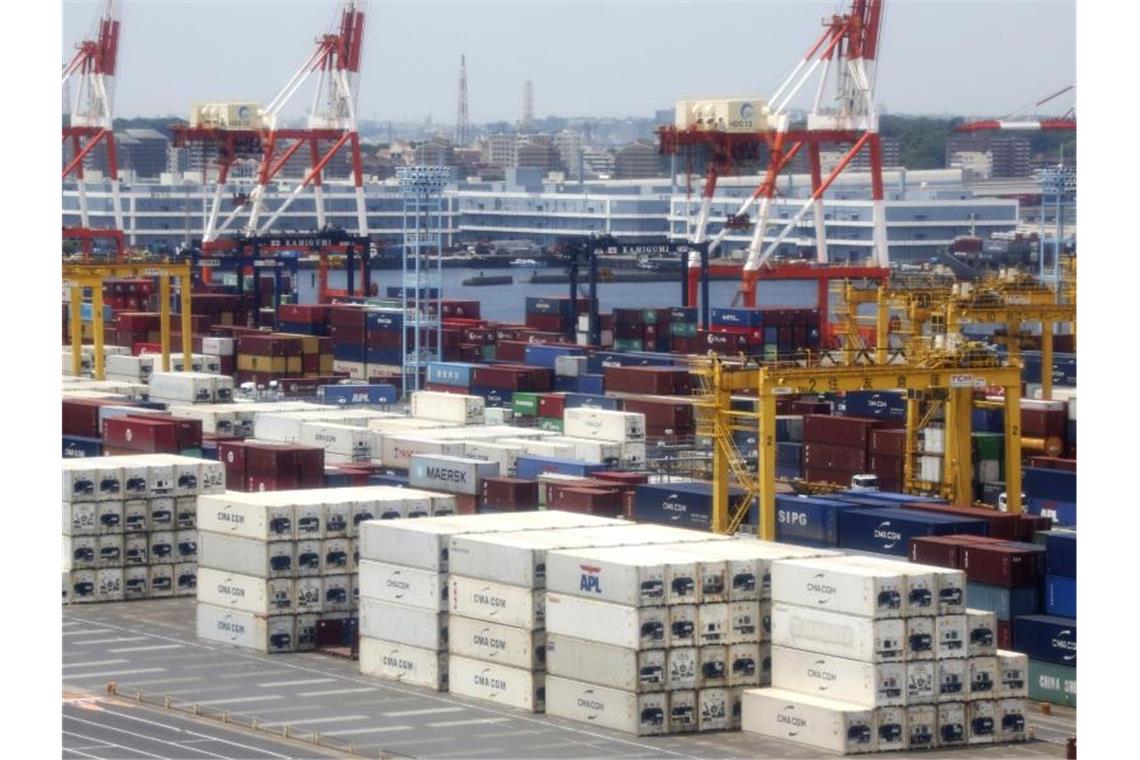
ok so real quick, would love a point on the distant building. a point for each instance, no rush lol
(568, 145)
(142, 150)
(1009, 154)
(664, 117)
(975, 164)
(502, 150)
(435, 152)
(636, 161)
(831, 155)
(598, 163)
(538, 152)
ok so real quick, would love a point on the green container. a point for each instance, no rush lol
(192, 452)
(989, 446)
(627, 344)
(683, 329)
(1049, 682)
(649, 316)
(487, 351)
(550, 423)
(525, 404)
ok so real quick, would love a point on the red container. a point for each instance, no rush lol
(662, 416)
(1002, 565)
(145, 435)
(552, 405)
(310, 467)
(1043, 423)
(660, 381)
(232, 454)
(1005, 634)
(311, 314)
(887, 468)
(81, 417)
(999, 524)
(188, 432)
(801, 406)
(466, 504)
(271, 459)
(625, 478)
(286, 481)
(834, 457)
(841, 431)
(512, 377)
(458, 308)
(550, 322)
(347, 316)
(722, 342)
(595, 501)
(891, 442)
(509, 494)
(939, 551)
(1030, 524)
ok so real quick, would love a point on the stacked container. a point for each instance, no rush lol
(624, 428)
(129, 525)
(403, 581)
(275, 564)
(873, 655)
(658, 639)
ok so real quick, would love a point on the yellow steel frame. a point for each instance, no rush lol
(957, 378)
(1013, 316)
(76, 277)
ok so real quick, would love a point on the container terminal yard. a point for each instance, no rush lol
(367, 518)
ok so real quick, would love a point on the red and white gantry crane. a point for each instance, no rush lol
(91, 77)
(1020, 122)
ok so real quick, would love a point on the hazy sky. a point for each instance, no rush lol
(981, 57)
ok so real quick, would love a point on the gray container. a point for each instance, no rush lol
(922, 685)
(493, 642)
(617, 668)
(310, 594)
(246, 593)
(79, 518)
(497, 602)
(336, 593)
(813, 721)
(514, 687)
(402, 624)
(1013, 675)
(246, 556)
(641, 714)
(922, 726)
(452, 474)
(161, 516)
(836, 634)
(397, 584)
(854, 681)
(749, 665)
(613, 624)
(682, 668)
(246, 630)
(393, 661)
(161, 581)
(713, 668)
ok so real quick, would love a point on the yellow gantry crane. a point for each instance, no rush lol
(76, 277)
(952, 376)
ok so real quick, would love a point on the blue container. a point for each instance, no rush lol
(890, 530)
(564, 384)
(210, 450)
(493, 397)
(686, 505)
(736, 317)
(1061, 596)
(988, 420)
(81, 446)
(1006, 603)
(790, 455)
(592, 401)
(879, 404)
(357, 394)
(450, 373)
(592, 383)
(809, 521)
(349, 352)
(599, 360)
(1047, 638)
(1061, 553)
(337, 480)
(746, 442)
(1063, 513)
(383, 355)
(790, 428)
(1042, 482)
(529, 468)
(888, 498)
(300, 328)
(385, 321)
(544, 356)
(1071, 432)
(683, 314)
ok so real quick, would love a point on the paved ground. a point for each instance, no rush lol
(151, 646)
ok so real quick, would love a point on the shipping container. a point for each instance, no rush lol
(838, 634)
(404, 624)
(889, 531)
(494, 642)
(495, 602)
(246, 630)
(393, 661)
(1052, 682)
(600, 424)
(853, 681)
(1005, 602)
(399, 584)
(1046, 638)
(633, 713)
(839, 586)
(493, 682)
(605, 623)
(810, 720)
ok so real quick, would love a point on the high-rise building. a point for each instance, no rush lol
(502, 150)
(462, 124)
(437, 151)
(1009, 154)
(569, 145)
(637, 160)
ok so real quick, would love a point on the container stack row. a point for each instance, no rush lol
(275, 565)
(403, 581)
(872, 654)
(130, 525)
(659, 639)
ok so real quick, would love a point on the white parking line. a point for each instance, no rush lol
(91, 632)
(333, 692)
(475, 722)
(112, 744)
(115, 640)
(94, 664)
(146, 648)
(153, 681)
(195, 733)
(428, 711)
(236, 700)
(373, 730)
(302, 682)
(116, 673)
(339, 719)
(246, 674)
(81, 753)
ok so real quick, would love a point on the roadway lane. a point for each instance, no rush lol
(151, 646)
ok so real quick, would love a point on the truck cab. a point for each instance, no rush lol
(865, 482)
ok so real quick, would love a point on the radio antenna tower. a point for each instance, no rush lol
(462, 124)
(528, 105)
